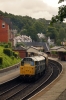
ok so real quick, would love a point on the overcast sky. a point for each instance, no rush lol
(33, 8)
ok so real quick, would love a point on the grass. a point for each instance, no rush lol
(7, 61)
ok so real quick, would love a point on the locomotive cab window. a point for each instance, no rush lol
(28, 61)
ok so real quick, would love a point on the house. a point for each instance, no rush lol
(22, 38)
(6, 27)
(63, 43)
(50, 41)
(41, 35)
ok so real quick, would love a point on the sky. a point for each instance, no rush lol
(33, 8)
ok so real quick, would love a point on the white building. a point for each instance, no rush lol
(41, 35)
(50, 41)
(22, 38)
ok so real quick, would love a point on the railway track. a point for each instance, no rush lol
(22, 91)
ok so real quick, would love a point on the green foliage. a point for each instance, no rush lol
(60, 1)
(2, 44)
(8, 51)
(53, 52)
(1, 60)
(27, 25)
(9, 44)
(20, 44)
(12, 57)
(58, 42)
(8, 60)
(6, 46)
(51, 46)
(31, 27)
(61, 14)
(15, 54)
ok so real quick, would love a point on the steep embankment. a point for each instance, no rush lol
(7, 61)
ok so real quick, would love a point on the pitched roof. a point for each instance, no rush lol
(61, 50)
(37, 44)
(19, 48)
(7, 20)
(32, 49)
(58, 49)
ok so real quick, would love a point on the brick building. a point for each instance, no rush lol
(6, 35)
(21, 50)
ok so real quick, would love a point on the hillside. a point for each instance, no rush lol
(7, 61)
(26, 25)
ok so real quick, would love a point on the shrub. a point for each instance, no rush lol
(1, 60)
(1, 44)
(53, 52)
(6, 46)
(15, 54)
(12, 57)
(8, 51)
(9, 44)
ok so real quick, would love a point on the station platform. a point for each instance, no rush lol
(55, 90)
(9, 75)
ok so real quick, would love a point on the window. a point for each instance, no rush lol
(32, 63)
(3, 24)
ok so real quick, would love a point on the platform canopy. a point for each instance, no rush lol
(61, 50)
(55, 48)
(32, 49)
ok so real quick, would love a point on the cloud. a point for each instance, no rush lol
(33, 8)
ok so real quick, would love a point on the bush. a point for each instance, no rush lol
(2, 44)
(15, 54)
(12, 57)
(1, 60)
(9, 44)
(53, 52)
(6, 46)
(8, 51)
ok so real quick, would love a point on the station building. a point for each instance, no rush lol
(59, 51)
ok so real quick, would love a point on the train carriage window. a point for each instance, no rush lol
(36, 63)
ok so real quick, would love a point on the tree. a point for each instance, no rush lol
(33, 33)
(23, 32)
(60, 1)
(58, 42)
(61, 34)
(61, 14)
(52, 32)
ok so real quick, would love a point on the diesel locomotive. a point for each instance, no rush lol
(33, 66)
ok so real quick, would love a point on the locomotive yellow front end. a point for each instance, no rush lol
(27, 68)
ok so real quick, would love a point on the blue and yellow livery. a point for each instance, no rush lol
(32, 66)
